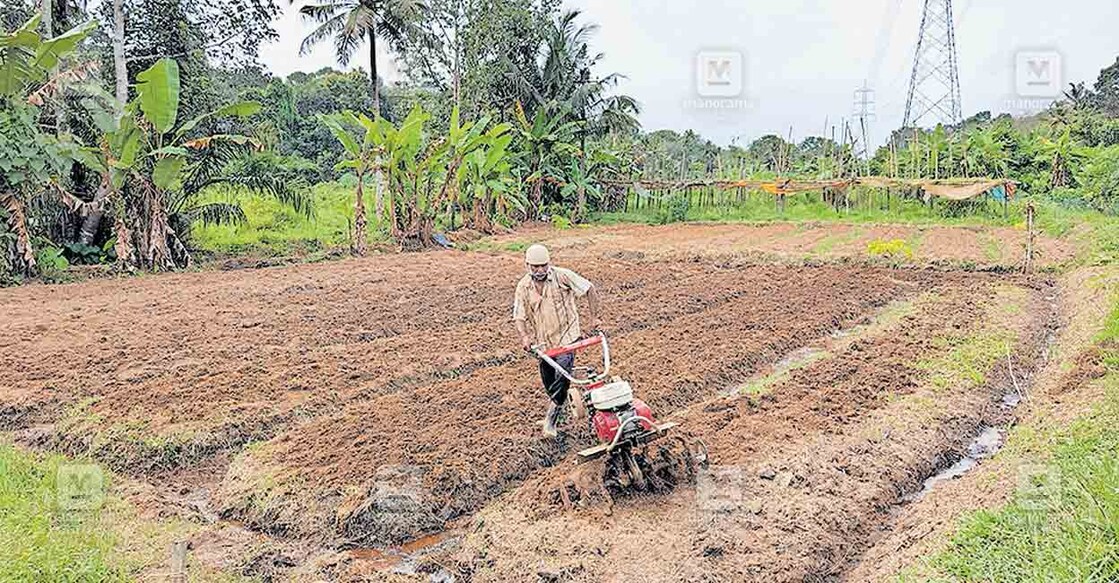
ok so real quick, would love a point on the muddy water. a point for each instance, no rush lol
(985, 445)
(405, 559)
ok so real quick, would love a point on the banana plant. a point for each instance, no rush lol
(155, 174)
(423, 174)
(1061, 154)
(31, 159)
(488, 186)
(548, 144)
(362, 155)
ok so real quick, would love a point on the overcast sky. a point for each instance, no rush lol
(802, 60)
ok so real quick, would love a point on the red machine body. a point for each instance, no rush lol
(606, 423)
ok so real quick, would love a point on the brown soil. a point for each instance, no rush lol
(801, 477)
(295, 395)
(985, 247)
(473, 436)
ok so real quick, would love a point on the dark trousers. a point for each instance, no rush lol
(555, 383)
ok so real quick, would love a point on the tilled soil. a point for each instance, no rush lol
(473, 436)
(801, 477)
(368, 402)
(981, 247)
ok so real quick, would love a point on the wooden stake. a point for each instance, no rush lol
(1029, 236)
(178, 561)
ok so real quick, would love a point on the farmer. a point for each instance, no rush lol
(545, 314)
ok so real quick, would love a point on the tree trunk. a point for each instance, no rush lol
(159, 253)
(92, 221)
(581, 213)
(378, 178)
(17, 220)
(537, 199)
(119, 64)
(48, 18)
(373, 70)
(359, 218)
(126, 253)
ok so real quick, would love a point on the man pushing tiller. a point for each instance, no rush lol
(546, 316)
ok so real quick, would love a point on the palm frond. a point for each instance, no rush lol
(276, 188)
(327, 29)
(217, 213)
(353, 32)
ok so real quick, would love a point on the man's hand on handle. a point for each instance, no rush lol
(526, 343)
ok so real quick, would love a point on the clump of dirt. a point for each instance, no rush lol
(1087, 367)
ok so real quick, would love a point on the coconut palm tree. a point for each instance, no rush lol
(563, 75)
(350, 22)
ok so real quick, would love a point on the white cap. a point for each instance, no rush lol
(537, 255)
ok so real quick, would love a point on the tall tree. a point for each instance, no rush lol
(348, 23)
(465, 48)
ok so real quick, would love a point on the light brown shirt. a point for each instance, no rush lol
(551, 314)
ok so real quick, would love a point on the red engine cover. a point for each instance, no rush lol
(643, 410)
(605, 426)
(606, 423)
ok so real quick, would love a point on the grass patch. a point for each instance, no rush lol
(489, 246)
(964, 360)
(830, 242)
(275, 229)
(967, 358)
(1109, 336)
(40, 538)
(61, 521)
(992, 250)
(810, 207)
(762, 385)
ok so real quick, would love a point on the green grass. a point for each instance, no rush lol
(1052, 219)
(830, 242)
(963, 360)
(1063, 521)
(40, 540)
(992, 250)
(275, 229)
(1109, 336)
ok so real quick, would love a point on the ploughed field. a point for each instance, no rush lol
(292, 399)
